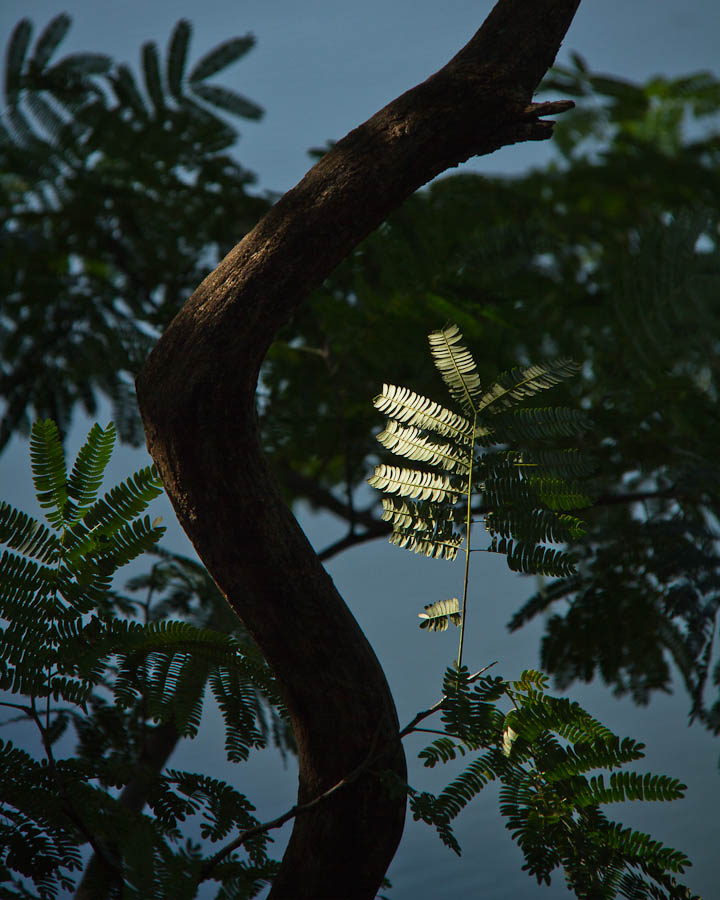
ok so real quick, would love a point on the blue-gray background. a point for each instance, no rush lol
(320, 68)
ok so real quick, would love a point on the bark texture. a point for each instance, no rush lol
(196, 395)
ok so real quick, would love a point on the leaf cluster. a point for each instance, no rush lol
(525, 494)
(69, 655)
(117, 196)
(541, 751)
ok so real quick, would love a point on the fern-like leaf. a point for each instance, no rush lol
(442, 750)
(124, 502)
(461, 790)
(21, 532)
(566, 717)
(440, 543)
(134, 538)
(455, 363)
(583, 756)
(408, 441)
(421, 516)
(629, 786)
(89, 469)
(534, 527)
(641, 847)
(535, 560)
(415, 484)
(532, 492)
(413, 409)
(519, 384)
(524, 491)
(49, 472)
(438, 616)
(563, 463)
(424, 527)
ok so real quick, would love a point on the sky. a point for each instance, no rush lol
(319, 69)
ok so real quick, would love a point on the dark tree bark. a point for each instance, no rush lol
(196, 395)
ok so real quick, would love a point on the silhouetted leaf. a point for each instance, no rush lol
(228, 100)
(49, 40)
(221, 57)
(151, 71)
(177, 56)
(15, 59)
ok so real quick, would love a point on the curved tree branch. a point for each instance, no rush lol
(196, 395)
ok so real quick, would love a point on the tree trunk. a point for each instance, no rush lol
(196, 395)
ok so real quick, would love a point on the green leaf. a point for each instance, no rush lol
(89, 469)
(606, 753)
(530, 680)
(540, 423)
(534, 560)
(129, 542)
(455, 363)
(557, 494)
(21, 532)
(442, 749)
(414, 410)
(221, 57)
(124, 502)
(534, 527)
(439, 615)
(519, 384)
(425, 528)
(440, 542)
(564, 463)
(410, 442)
(641, 847)
(629, 786)
(49, 473)
(415, 484)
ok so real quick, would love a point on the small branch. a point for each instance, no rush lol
(26, 709)
(196, 393)
(551, 108)
(429, 731)
(410, 727)
(244, 836)
(353, 538)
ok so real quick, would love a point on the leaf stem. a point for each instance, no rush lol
(468, 526)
